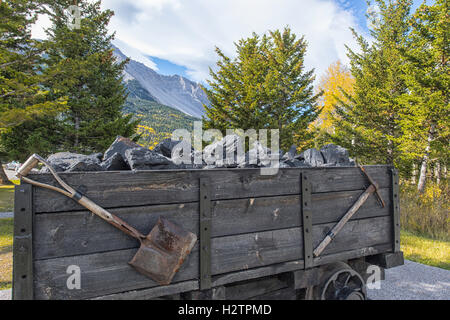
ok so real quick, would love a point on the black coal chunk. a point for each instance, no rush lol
(115, 163)
(261, 156)
(232, 153)
(166, 147)
(336, 156)
(140, 158)
(71, 162)
(312, 157)
(290, 154)
(120, 145)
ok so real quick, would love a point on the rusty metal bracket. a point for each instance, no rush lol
(396, 209)
(205, 234)
(306, 221)
(23, 243)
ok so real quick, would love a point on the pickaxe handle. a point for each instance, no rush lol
(373, 188)
(70, 192)
(354, 208)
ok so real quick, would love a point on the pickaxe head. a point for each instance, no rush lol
(373, 182)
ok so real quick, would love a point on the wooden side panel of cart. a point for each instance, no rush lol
(256, 227)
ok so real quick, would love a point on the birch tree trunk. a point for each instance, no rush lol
(414, 173)
(437, 172)
(423, 168)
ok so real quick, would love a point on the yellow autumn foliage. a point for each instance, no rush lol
(336, 77)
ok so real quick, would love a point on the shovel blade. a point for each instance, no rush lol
(163, 251)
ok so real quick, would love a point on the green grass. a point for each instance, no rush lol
(6, 242)
(6, 198)
(424, 250)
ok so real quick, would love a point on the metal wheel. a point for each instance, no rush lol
(338, 282)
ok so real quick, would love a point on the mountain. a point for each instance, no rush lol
(173, 91)
(157, 121)
(135, 90)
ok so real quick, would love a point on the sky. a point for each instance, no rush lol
(179, 36)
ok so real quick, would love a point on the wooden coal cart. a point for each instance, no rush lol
(256, 234)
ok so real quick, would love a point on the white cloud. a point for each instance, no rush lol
(186, 32)
(134, 53)
(38, 28)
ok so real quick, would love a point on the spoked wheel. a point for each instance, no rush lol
(338, 282)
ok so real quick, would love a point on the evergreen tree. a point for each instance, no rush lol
(22, 97)
(426, 72)
(265, 86)
(89, 75)
(369, 121)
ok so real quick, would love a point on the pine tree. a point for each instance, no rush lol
(427, 74)
(89, 75)
(369, 124)
(265, 86)
(22, 96)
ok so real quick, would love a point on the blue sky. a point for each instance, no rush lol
(357, 7)
(168, 68)
(179, 36)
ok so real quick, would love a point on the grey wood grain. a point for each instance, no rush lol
(127, 188)
(108, 272)
(81, 232)
(253, 288)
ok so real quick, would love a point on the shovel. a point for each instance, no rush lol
(161, 252)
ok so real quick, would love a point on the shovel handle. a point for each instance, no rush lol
(109, 217)
(75, 195)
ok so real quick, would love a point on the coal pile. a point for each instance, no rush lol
(124, 154)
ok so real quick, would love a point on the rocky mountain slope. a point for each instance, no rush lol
(173, 91)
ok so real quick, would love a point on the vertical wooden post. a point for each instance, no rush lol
(205, 234)
(396, 209)
(23, 243)
(306, 221)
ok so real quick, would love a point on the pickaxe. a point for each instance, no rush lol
(354, 208)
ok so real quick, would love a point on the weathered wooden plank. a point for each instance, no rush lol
(282, 294)
(22, 247)
(396, 209)
(75, 233)
(234, 277)
(355, 234)
(146, 294)
(307, 220)
(205, 234)
(123, 189)
(253, 250)
(253, 288)
(108, 272)
(352, 254)
(217, 293)
(257, 272)
(101, 274)
(81, 232)
(387, 260)
(304, 278)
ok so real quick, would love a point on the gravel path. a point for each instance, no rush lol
(413, 281)
(5, 294)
